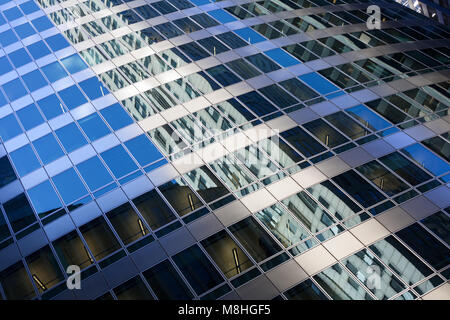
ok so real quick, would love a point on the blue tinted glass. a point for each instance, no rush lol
(197, 269)
(249, 35)
(5, 66)
(94, 173)
(24, 160)
(9, 127)
(44, 198)
(7, 175)
(50, 106)
(74, 63)
(29, 7)
(222, 16)
(12, 14)
(119, 161)
(143, 150)
(57, 42)
(54, 71)
(2, 99)
(48, 148)
(30, 116)
(69, 185)
(38, 49)
(19, 57)
(93, 88)
(34, 80)
(71, 137)
(72, 97)
(368, 117)
(14, 89)
(24, 30)
(42, 23)
(2, 20)
(319, 83)
(281, 57)
(94, 127)
(116, 116)
(427, 159)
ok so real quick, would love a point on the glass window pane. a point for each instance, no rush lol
(143, 150)
(167, 283)
(34, 80)
(282, 225)
(197, 269)
(51, 106)
(154, 210)
(44, 269)
(71, 137)
(127, 223)
(38, 49)
(15, 283)
(340, 285)
(308, 212)
(94, 173)
(30, 116)
(48, 148)
(73, 63)
(254, 239)
(72, 97)
(206, 184)
(180, 196)
(7, 174)
(259, 164)
(368, 118)
(69, 186)
(302, 141)
(263, 63)
(226, 254)
(9, 127)
(44, 199)
(14, 89)
(94, 127)
(318, 83)
(365, 265)
(332, 198)
(119, 161)
(325, 133)
(19, 212)
(427, 159)
(382, 178)
(71, 251)
(116, 116)
(54, 71)
(402, 261)
(358, 188)
(439, 224)
(243, 68)
(257, 103)
(426, 245)
(24, 160)
(99, 238)
(234, 174)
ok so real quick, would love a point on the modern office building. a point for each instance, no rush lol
(192, 149)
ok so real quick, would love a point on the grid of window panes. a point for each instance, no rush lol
(204, 76)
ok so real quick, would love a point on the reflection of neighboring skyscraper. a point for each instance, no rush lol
(438, 10)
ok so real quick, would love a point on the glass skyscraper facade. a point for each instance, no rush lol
(192, 149)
